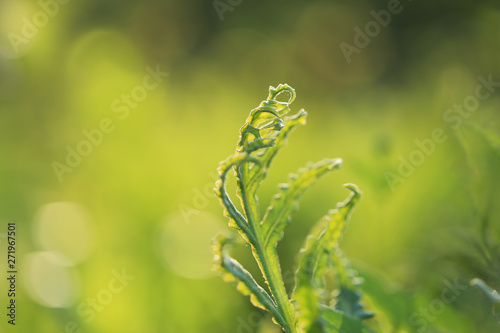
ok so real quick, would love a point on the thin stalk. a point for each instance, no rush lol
(267, 258)
(277, 286)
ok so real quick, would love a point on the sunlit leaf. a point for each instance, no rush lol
(232, 270)
(263, 135)
(284, 203)
(322, 242)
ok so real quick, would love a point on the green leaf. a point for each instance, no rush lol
(261, 138)
(232, 270)
(307, 303)
(284, 203)
(259, 172)
(334, 321)
(237, 220)
(266, 119)
(348, 297)
(396, 305)
(321, 243)
(258, 136)
(321, 250)
(348, 300)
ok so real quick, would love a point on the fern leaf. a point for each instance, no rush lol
(314, 257)
(284, 203)
(232, 270)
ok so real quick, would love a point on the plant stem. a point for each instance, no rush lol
(267, 259)
(277, 286)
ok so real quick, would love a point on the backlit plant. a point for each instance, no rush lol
(311, 307)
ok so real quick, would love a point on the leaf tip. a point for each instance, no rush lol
(352, 187)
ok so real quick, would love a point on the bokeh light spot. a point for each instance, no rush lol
(48, 281)
(64, 227)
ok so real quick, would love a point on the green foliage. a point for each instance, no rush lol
(484, 160)
(312, 307)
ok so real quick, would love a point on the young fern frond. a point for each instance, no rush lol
(263, 135)
(319, 254)
(323, 242)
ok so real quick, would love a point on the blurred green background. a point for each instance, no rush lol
(108, 170)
